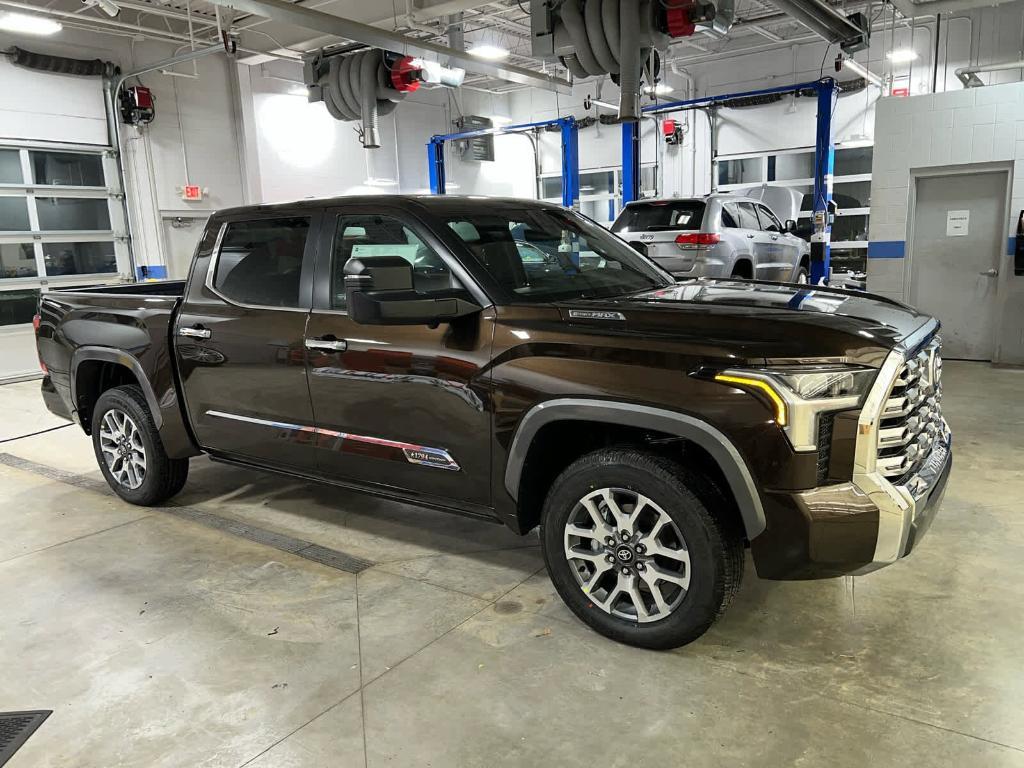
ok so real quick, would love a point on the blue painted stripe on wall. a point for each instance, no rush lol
(886, 249)
(152, 272)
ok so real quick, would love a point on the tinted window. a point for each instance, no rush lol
(79, 258)
(73, 213)
(639, 217)
(14, 214)
(769, 221)
(371, 235)
(260, 262)
(67, 169)
(747, 216)
(729, 216)
(581, 260)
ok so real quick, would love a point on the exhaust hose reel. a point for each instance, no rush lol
(357, 88)
(609, 37)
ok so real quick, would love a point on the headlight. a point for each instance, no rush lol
(799, 393)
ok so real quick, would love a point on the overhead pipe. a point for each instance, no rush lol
(325, 23)
(967, 75)
(821, 18)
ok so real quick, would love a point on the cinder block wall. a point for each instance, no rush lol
(973, 125)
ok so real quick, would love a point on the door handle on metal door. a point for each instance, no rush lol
(195, 332)
(751, 235)
(990, 273)
(327, 344)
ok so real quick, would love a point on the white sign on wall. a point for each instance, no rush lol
(958, 223)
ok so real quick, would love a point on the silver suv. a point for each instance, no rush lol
(715, 236)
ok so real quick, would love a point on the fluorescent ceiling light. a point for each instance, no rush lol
(29, 25)
(661, 89)
(373, 182)
(902, 55)
(859, 69)
(500, 120)
(489, 52)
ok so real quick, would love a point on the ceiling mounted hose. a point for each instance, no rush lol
(365, 85)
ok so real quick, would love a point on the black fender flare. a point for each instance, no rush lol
(734, 467)
(119, 357)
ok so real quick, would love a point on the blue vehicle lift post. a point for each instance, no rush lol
(570, 154)
(826, 92)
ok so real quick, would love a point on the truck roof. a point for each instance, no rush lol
(431, 203)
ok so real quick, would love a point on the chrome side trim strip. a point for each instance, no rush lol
(424, 455)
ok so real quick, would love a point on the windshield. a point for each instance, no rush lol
(544, 254)
(654, 216)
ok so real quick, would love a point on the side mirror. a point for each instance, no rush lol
(379, 291)
(790, 228)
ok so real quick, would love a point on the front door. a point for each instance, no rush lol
(401, 406)
(780, 248)
(959, 237)
(239, 341)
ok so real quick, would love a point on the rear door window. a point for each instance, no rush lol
(729, 216)
(260, 261)
(651, 217)
(747, 216)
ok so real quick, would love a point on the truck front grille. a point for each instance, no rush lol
(912, 415)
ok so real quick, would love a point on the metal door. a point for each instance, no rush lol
(780, 248)
(958, 237)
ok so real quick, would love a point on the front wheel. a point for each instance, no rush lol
(640, 548)
(129, 451)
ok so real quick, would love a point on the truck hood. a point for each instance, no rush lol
(765, 320)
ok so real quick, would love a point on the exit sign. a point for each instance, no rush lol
(905, 91)
(192, 192)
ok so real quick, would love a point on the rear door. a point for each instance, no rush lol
(399, 406)
(782, 250)
(657, 223)
(749, 226)
(239, 340)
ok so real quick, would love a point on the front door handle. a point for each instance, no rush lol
(195, 332)
(990, 273)
(327, 344)
(751, 235)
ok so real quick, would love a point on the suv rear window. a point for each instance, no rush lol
(675, 214)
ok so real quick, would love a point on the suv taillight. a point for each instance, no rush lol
(36, 320)
(693, 239)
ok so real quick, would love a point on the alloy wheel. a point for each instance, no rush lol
(122, 447)
(627, 555)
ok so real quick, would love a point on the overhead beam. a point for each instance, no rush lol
(298, 16)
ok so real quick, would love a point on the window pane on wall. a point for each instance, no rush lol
(799, 165)
(850, 228)
(67, 169)
(17, 307)
(14, 214)
(17, 260)
(10, 167)
(853, 161)
(596, 183)
(65, 213)
(551, 186)
(852, 194)
(79, 258)
(749, 169)
(849, 259)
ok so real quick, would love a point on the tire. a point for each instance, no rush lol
(802, 277)
(739, 272)
(160, 477)
(713, 546)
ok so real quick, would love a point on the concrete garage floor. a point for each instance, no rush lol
(159, 641)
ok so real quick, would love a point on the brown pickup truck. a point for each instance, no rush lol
(514, 361)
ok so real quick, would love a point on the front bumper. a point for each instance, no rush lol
(850, 528)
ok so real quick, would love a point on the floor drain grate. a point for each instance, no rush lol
(16, 727)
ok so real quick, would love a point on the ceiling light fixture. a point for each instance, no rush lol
(29, 25)
(844, 62)
(661, 89)
(373, 182)
(489, 52)
(107, 6)
(902, 55)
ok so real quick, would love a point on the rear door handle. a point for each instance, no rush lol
(327, 344)
(195, 332)
(775, 237)
(990, 273)
(751, 235)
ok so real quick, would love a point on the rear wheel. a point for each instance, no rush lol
(801, 275)
(634, 550)
(129, 451)
(743, 271)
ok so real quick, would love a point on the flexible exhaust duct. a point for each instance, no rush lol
(608, 37)
(62, 65)
(354, 88)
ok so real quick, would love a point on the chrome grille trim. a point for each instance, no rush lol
(911, 419)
